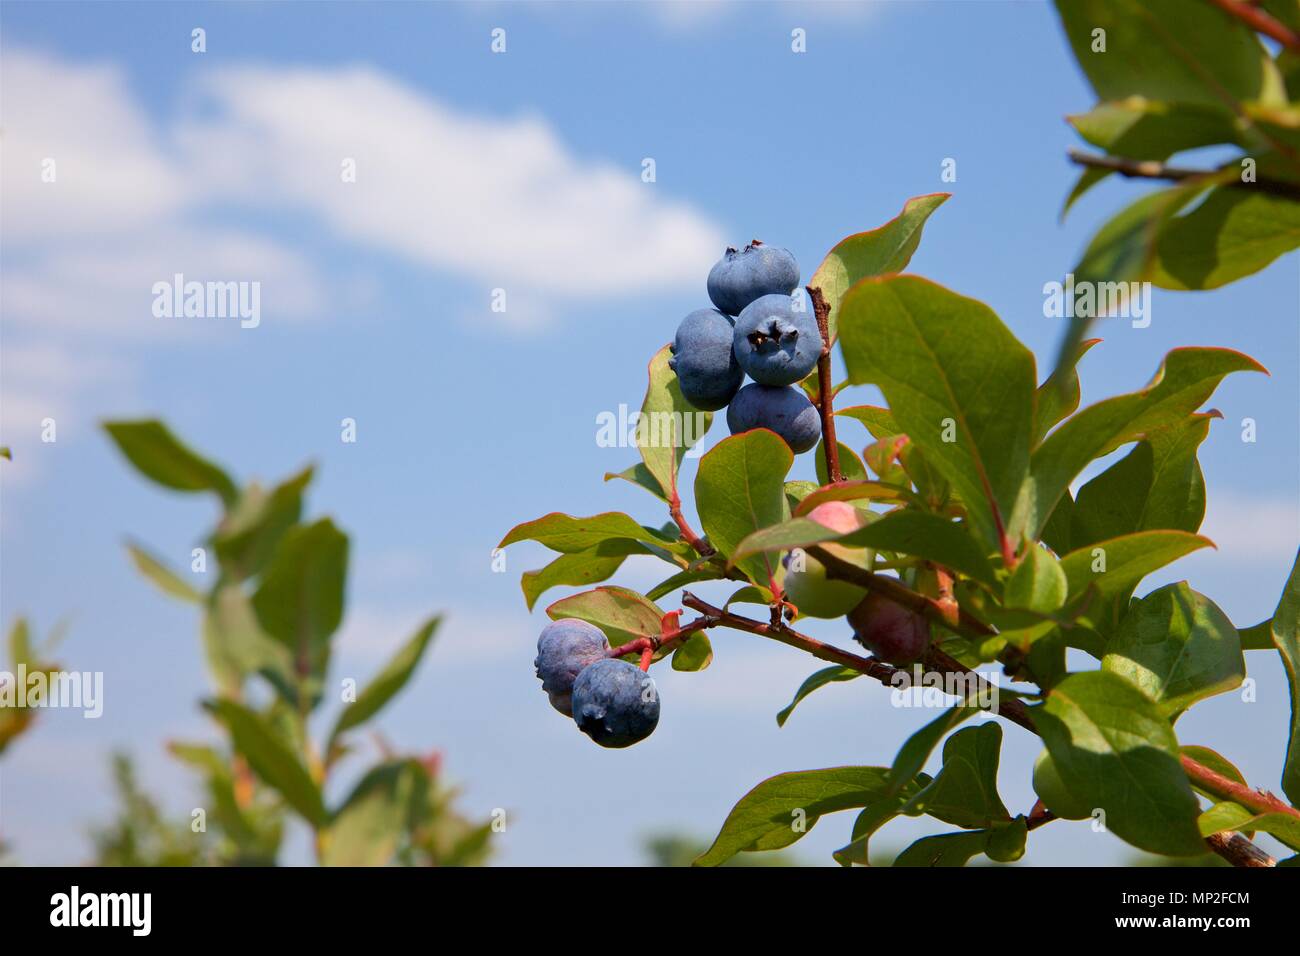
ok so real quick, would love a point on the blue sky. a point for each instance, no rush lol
(520, 171)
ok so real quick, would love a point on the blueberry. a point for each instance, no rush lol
(775, 343)
(889, 630)
(564, 648)
(615, 703)
(706, 366)
(738, 278)
(807, 587)
(783, 409)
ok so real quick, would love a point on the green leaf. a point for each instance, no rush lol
(818, 679)
(251, 531)
(1158, 485)
(872, 818)
(1233, 816)
(1184, 381)
(1114, 750)
(234, 642)
(1038, 583)
(965, 791)
(1118, 564)
(639, 474)
(917, 748)
(880, 251)
(1168, 50)
(387, 683)
(271, 759)
(1257, 637)
(371, 824)
(1177, 647)
(159, 455)
(750, 594)
(783, 808)
(570, 535)
(680, 580)
(879, 421)
(957, 849)
(851, 467)
(1216, 762)
(849, 491)
(1286, 635)
(300, 599)
(669, 425)
(695, 655)
(581, 567)
(622, 614)
(1139, 128)
(167, 580)
(1058, 397)
(1236, 232)
(740, 488)
(949, 368)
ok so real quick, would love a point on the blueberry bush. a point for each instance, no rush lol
(268, 625)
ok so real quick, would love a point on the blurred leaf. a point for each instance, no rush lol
(1234, 233)
(946, 363)
(1286, 635)
(21, 652)
(250, 532)
(965, 792)
(159, 455)
(1177, 647)
(300, 599)
(739, 488)
(277, 765)
(167, 580)
(371, 824)
(783, 808)
(1184, 381)
(1139, 128)
(622, 614)
(880, 251)
(827, 675)
(1186, 53)
(1114, 750)
(387, 683)
(234, 642)
(1257, 637)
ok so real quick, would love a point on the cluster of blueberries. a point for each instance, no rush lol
(613, 702)
(758, 329)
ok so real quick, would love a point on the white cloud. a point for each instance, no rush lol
(502, 201)
(1261, 531)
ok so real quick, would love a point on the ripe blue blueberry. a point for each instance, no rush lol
(774, 342)
(783, 409)
(707, 371)
(564, 648)
(738, 278)
(615, 703)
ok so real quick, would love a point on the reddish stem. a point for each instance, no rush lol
(825, 388)
(1261, 22)
(702, 547)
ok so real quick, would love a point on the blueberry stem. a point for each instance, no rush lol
(825, 387)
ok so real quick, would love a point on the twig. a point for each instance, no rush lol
(1225, 788)
(825, 388)
(702, 547)
(1238, 851)
(1261, 22)
(1154, 169)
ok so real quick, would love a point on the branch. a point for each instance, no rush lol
(1261, 22)
(825, 388)
(896, 591)
(1236, 849)
(1154, 169)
